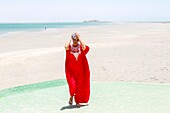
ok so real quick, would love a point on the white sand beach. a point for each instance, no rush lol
(130, 52)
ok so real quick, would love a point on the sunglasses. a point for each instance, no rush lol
(75, 39)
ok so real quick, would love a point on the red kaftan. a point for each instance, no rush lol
(78, 75)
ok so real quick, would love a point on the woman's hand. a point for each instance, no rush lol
(78, 36)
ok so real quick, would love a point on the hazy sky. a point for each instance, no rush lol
(79, 10)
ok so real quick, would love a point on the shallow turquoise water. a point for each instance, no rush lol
(108, 97)
(12, 27)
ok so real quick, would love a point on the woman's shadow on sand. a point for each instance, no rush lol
(72, 107)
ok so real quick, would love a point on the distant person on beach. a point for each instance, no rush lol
(77, 70)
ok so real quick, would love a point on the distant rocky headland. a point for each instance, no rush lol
(97, 21)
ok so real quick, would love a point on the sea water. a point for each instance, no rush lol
(13, 27)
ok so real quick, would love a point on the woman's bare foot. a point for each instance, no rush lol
(78, 105)
(70, 100)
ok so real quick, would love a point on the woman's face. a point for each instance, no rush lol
(75, 41)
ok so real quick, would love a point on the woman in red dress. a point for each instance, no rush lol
(77, 70)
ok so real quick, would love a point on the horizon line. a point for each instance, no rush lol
(89, 21)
